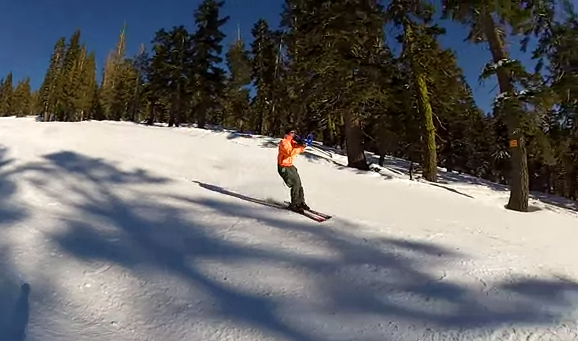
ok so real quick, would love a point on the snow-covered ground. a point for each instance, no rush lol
(127, 232)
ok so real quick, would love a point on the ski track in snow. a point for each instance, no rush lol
(105, 223)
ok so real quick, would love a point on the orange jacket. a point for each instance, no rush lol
(288, 149)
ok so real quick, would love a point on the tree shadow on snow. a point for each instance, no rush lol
(312, 157)
(95, 170)
(9, 213)
(269, 142)
(557, 201)
(361, 285)
(446, 178)
(453, 190)
(392, 165)
(315, 158)
(13, 326)
(235, 135)
(14, 300)
(17, 300)
(402, 167)
(14, 308)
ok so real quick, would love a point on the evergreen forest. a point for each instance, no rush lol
(328, 69)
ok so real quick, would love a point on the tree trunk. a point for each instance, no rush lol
(151, 118)
(430, 170)
(430, 162)
(548, 175)
(274, 121)
(568, 178)
(329, 133)
(45, 114)
(171, 116)
(353, 135)
(519, 178)
(201, 114)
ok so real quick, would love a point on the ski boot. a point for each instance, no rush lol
(296, 208)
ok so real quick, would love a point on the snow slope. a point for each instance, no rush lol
(127, 232)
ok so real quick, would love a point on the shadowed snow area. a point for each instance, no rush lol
(117, 231)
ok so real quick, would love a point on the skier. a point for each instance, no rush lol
(291, 146)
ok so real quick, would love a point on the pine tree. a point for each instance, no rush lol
(36, 105)
(7, 96)
(49, 90)
(419, 36)
(237, 92)
(488, 22)
(209, 78)
(265, 63)
(557, 161)
(456, 115)
(171, 72)
(87, 86)
(180, 67)
(297, 41)
(146, 91)
(69, 79)
(140, 94)
(22, 98)
(157, 75)
(336, 43)
(114, 86)
(392, 123)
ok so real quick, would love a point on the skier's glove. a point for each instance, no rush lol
(300, 141)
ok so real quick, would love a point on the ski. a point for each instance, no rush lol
(313, 215)
(309, 214)
(318, 214)
(322, 215)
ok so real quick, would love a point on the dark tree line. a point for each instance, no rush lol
(329, 70)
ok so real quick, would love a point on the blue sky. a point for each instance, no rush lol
(29, 29)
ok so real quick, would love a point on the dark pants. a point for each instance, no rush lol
(293, 181)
